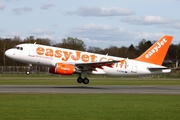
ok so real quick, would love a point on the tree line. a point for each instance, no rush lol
(77, 44)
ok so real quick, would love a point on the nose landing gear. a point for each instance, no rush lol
(28, 71)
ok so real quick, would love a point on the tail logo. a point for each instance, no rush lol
(156, 48)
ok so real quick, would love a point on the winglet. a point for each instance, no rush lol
(157, 52)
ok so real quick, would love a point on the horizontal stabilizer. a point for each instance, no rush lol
(160, 70)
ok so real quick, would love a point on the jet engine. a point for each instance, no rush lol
(63, 69)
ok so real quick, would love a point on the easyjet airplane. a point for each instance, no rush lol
(67, 62)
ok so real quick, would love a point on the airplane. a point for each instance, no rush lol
(68, 62)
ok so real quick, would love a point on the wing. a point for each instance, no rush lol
(82, 67)
(93, 65)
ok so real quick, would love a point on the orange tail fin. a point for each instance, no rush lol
(157, 52)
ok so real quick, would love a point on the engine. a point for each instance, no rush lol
(63, 69)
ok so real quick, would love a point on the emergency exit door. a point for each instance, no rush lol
(32, 50)
(134, 67)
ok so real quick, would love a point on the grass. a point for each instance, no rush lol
(94, 80)
(89, 107)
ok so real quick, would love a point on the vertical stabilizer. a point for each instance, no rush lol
(157, 52)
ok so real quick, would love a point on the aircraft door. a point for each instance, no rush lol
(134, 67)
(32, 50)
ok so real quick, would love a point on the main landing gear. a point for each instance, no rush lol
(81, 80)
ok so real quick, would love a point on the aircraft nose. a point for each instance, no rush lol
(8, 53)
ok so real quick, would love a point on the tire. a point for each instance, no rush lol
(79, 80)
(85, 80)
(27, 72)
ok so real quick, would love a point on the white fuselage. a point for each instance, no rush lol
(48, 56)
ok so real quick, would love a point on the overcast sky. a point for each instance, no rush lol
(99, 23)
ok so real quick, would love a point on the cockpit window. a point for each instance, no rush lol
(19, 48)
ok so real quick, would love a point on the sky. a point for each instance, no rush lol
(98, 23)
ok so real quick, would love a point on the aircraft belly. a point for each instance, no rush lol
(117, 72)
(99, 71)
(126, 72)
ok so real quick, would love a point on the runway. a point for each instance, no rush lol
(33, 89)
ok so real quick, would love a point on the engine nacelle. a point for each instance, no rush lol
(63, 69)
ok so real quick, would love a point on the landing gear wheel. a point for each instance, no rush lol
(85, 80)
(79, 80)
(27, 72)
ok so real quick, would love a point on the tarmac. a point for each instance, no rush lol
(83, 89)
